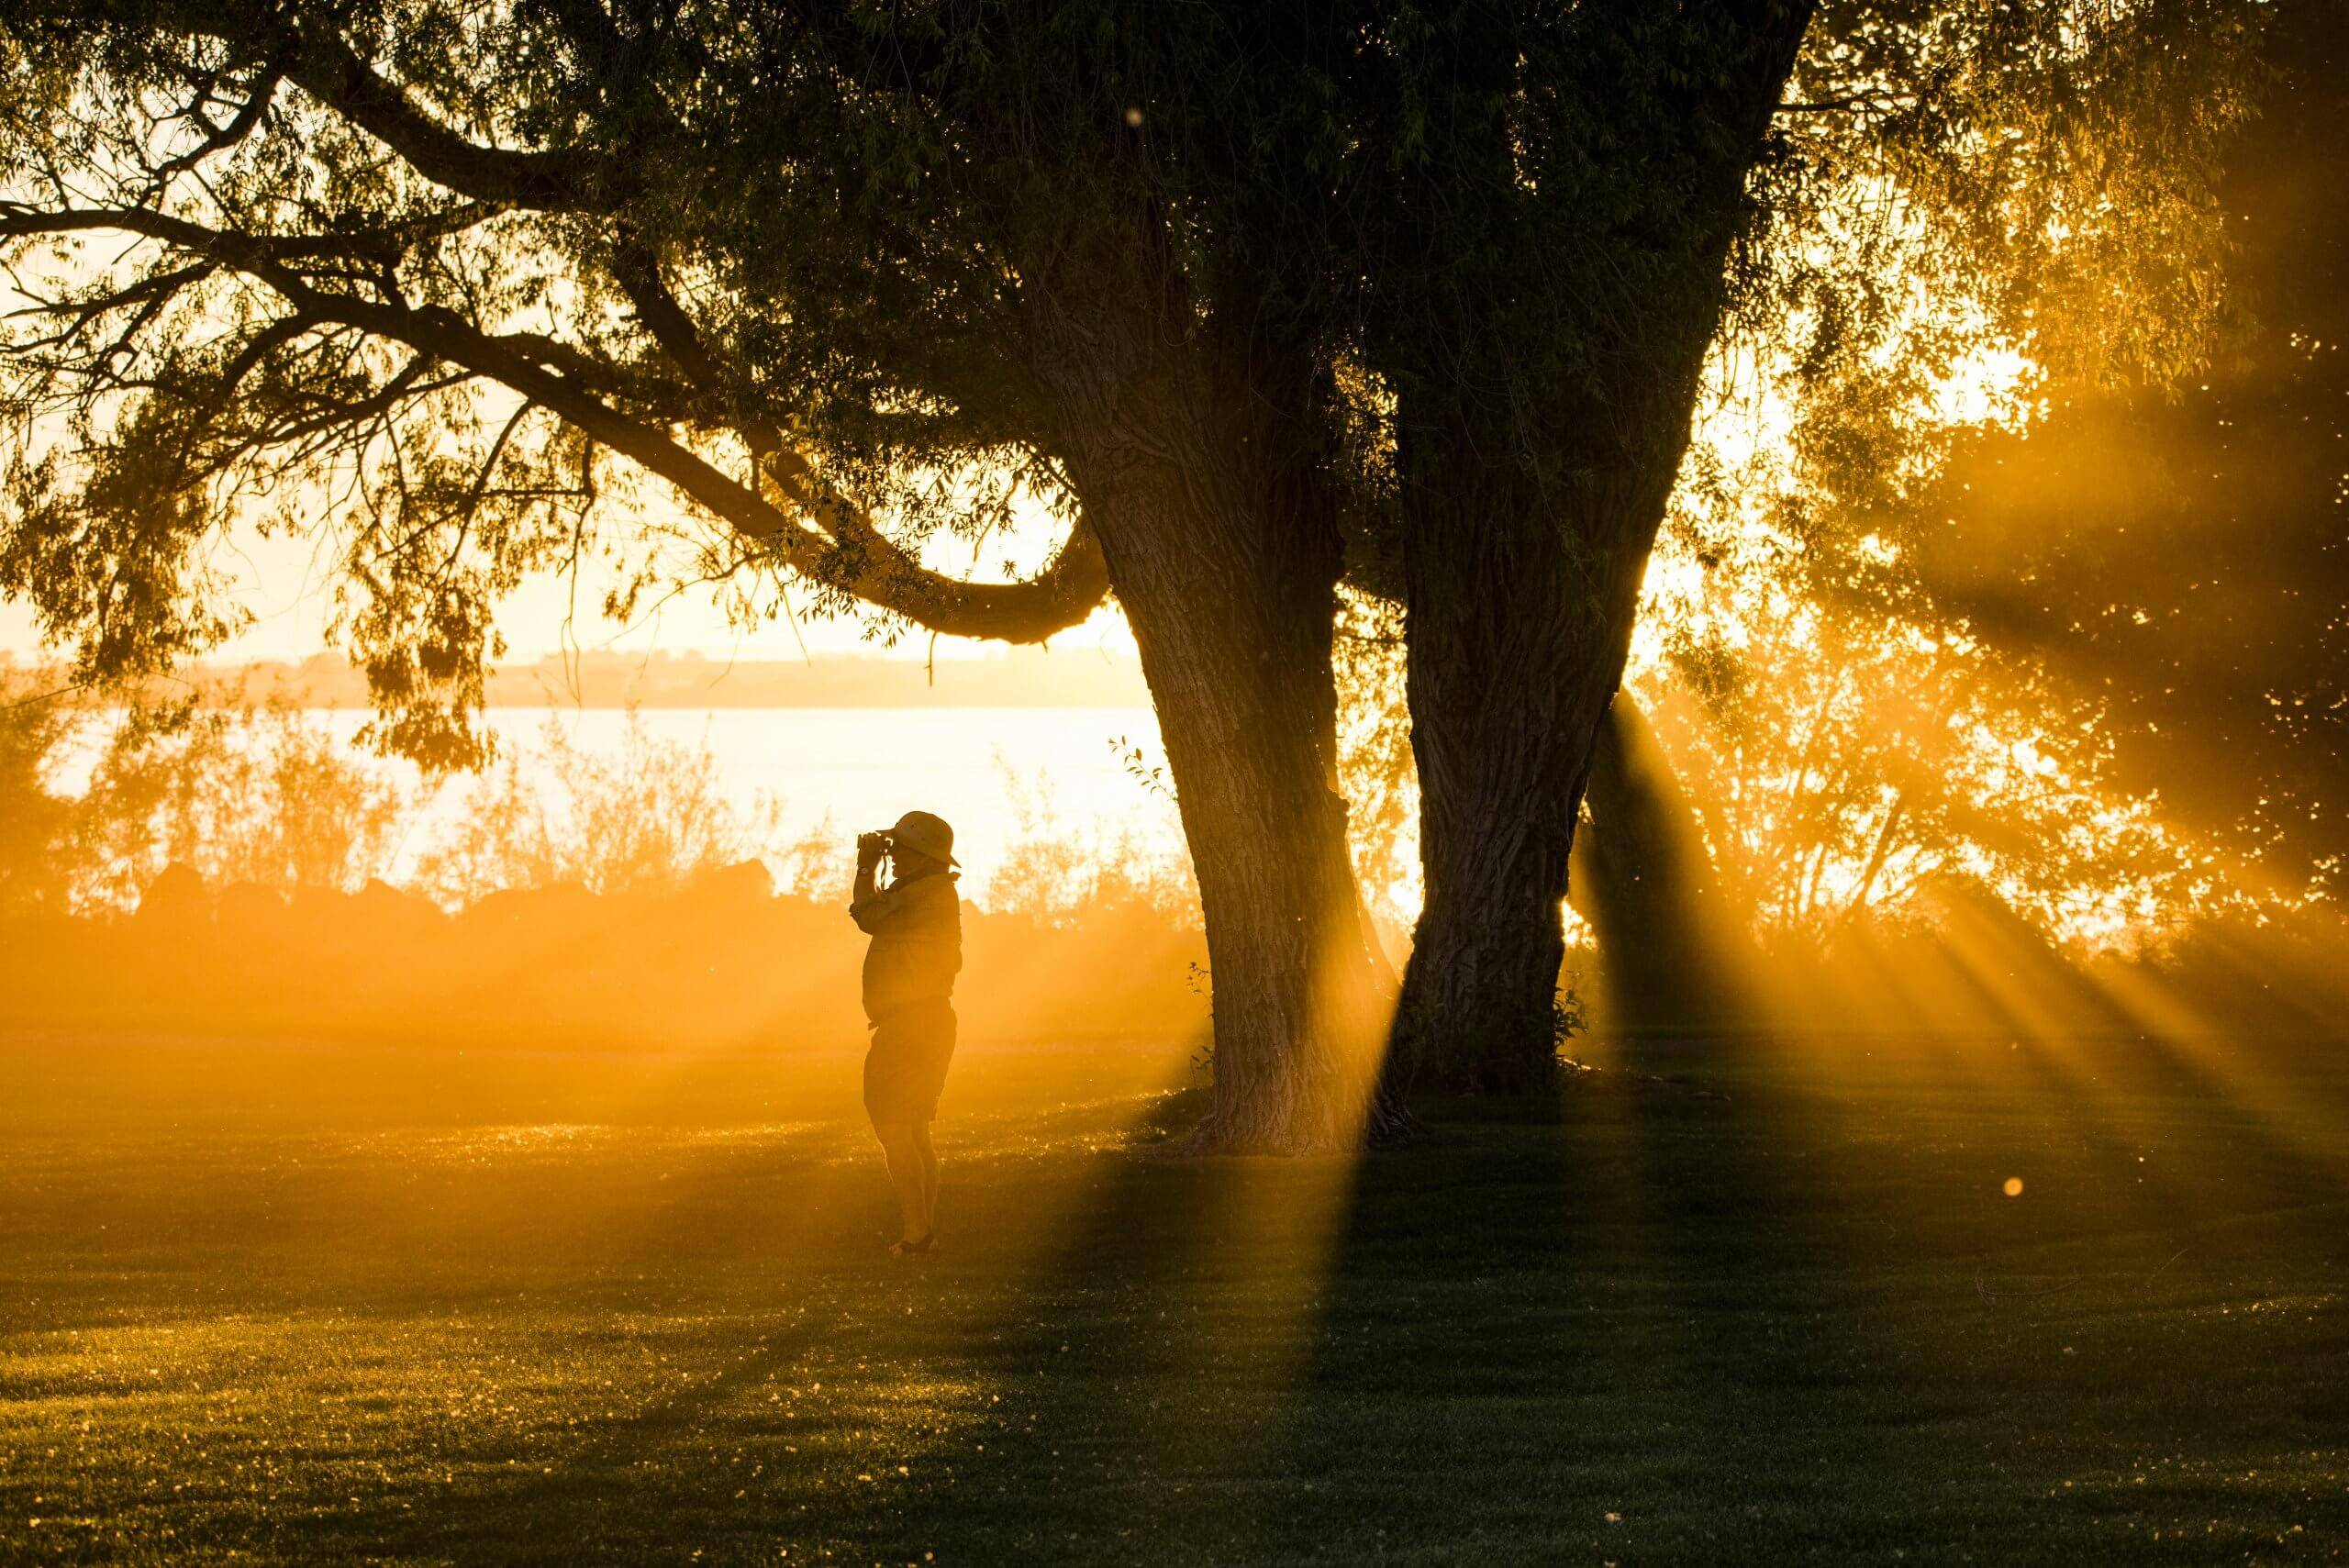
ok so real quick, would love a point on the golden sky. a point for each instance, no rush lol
(287, 585)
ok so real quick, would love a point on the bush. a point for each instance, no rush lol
(1058, 878)
(36, 823)
(245, 792)
(648, 818)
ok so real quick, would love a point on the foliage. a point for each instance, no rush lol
(2042, 175)
(452, 286)
(645, 818)
(818, 864)
(261, 792)
(1062, 878)
(446, 286)
(1850, 762)
(2175, 549)
(241, 792)
(1568, 1017)
(1975, 203)
(36, 822)
(1374, 766)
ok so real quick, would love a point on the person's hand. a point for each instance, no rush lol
(870, 848)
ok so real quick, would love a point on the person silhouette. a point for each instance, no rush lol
(915, 924)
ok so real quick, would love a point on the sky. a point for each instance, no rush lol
(287, 585)
(289, 591)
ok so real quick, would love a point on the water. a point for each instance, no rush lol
(996, 773)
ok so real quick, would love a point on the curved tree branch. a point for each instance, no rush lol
(325, 67)
(323, 64)
(850, 553)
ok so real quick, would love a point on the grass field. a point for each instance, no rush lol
(313, 1305)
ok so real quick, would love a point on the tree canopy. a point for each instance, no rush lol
(451, 283)
(2170, 548)
(769, 297)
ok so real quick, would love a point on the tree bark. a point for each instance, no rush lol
(1238, 673)
(1516, 647)
(1222, 546)
(1545, 404)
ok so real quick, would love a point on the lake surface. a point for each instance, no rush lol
(997, 774)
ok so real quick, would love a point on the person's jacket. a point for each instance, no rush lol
(917, 931)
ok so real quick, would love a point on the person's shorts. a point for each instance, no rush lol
(904, 1068)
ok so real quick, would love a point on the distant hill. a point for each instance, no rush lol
(1022, 677)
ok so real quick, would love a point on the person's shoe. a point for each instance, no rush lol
(913, 1248)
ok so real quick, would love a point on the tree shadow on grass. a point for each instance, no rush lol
(1732, 1304)
(661, 1482)
(1736, 1316)
(1482, 1345)
(1597, 1329)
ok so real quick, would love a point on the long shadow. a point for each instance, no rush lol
(1703, 1314)
(1717, 1308)
(1156, 1348)
(2159, 1133)
(644, 1482)
(1504, 1340)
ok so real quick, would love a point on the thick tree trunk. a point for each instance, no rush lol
(1544, 391)
(1223, 549)
(1239, 675)
(1517, 641)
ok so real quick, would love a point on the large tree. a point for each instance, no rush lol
(1232, 287)
(1591, 196)
(446, 284)
(1547, 272)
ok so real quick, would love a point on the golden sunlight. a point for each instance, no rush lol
(1174, 784)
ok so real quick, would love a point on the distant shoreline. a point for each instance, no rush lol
(715, 701)
(1024, 677)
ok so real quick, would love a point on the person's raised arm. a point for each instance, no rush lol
(868, 904)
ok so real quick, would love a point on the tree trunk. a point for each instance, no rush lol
(1223, 549)
(1517, 641)
(1237, 655)
(1288, 968)
(1545, 361)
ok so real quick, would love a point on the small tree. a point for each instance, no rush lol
(242, 792)
(647, 818)
(35, 820)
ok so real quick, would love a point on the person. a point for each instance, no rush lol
(915, 924)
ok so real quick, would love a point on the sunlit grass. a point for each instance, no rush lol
(319, 1305)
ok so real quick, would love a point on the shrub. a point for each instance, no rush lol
(645, 818)
(36, 822)
(244, 792)
(1057, 877)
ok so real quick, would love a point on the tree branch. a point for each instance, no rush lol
(326, 68)
(220, 138)
(856, 558)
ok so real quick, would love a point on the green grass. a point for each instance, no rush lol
(317, 1306)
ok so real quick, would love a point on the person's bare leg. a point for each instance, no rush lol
(929, 1153)
(906, 1175)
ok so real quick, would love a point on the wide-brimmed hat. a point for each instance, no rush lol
(925, 834)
